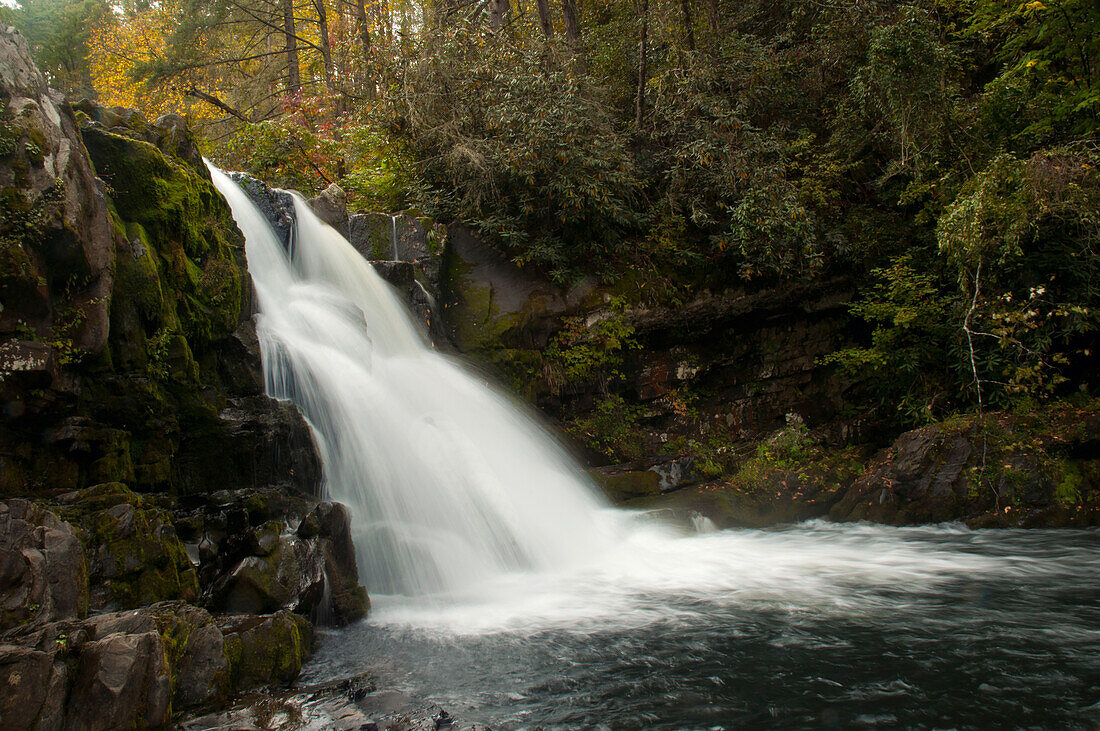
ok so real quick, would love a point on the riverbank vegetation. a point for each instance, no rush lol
(943, 154)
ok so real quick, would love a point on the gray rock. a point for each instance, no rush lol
(24, 687)
(43, 575)
(125, 679)
(290, 577)
(48, 168)
(276, 205)
(331, 206)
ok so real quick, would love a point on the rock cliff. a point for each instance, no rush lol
(162, 542)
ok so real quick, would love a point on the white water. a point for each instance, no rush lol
(448, 483)
(456, 493)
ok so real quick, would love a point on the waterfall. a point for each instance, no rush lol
(394, 253)
(447, 481)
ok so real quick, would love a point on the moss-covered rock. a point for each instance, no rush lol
(134, 555)
(266, 650)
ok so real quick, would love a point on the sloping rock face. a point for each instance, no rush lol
(126, 340)
(57, 244)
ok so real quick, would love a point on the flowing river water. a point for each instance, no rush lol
(506, 590)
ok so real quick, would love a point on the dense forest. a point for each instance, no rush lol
(944, 152)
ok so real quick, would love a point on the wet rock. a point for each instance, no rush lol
(255, 441)
(276, 205)
(43, 576)
(134, 554)
(290, 576)
(329, 526)
(266, 650)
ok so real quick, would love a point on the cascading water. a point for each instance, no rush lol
(394, 253)
(448, 483)
(562, 613)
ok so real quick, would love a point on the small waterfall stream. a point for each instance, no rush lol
(448, 482)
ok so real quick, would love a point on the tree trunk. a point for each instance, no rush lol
(572, 29)
(498, 11)
(639, 102)
(364, 42)
(545, 20)
(293, 74)
(713, 8)
(689, 24)
(326, 45)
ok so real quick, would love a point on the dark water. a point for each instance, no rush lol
(810, 626)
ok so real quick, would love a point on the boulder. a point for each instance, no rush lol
(331, 206)
(266, 650)
(43, 576)
(276, 205)
(329, 525)
(134, 555)
(32, 689)
(121, 681)
(290, 576)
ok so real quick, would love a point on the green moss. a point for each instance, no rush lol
(267, 649)
(630, 484)
(132, 547)
(175, 217)
(1068, 490)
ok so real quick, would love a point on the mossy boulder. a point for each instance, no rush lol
(266, 650)
(134, 555)
(181, 268)
(625, 484)
(1000, 469)
(489, 303)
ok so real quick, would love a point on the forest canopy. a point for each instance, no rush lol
(941, 153)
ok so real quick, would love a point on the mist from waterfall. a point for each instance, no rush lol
(447, 481)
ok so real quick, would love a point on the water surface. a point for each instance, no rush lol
(817, 625)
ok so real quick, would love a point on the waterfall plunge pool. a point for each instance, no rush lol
(813, 625)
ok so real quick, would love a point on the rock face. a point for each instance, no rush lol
(999, 470)
(43, 576)
(1041, 469)
(144, 467)
(167, 289)
(135, 669)
(663, 380)
(57, 244)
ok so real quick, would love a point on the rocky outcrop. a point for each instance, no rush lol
(998, 470)
(1040, 469)
(43, 575)
(136, 669)
(641, 376)
(145, 462)
(57, 243)
(136, 384)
